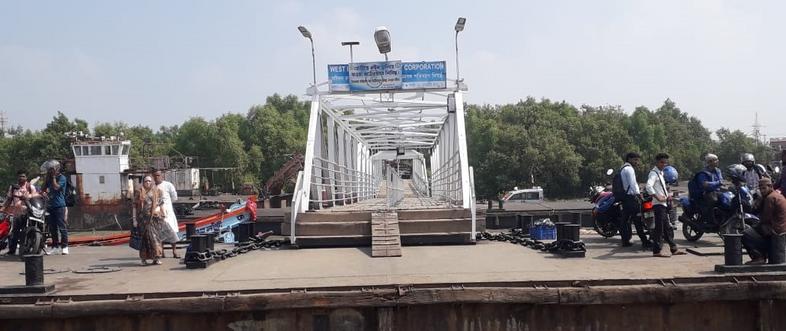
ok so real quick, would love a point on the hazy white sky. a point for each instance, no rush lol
(161, 62)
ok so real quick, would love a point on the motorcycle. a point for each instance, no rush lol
(607, 212)
(733, 211)
(32, 237)
(6, 226)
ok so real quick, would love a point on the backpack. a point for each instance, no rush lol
(70, 193)
(617, 188)
(695, 189)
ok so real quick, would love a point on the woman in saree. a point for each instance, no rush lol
(152, 226)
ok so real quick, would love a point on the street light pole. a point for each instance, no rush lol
(307, 34)
(350, 44)
(459, 27)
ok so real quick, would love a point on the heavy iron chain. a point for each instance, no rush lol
(223, 254)
(520, 237)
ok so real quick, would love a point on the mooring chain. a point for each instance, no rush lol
(222, 254)
(519, 237)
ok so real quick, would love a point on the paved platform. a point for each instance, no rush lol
(304, 268)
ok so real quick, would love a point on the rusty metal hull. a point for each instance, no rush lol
(740, 304)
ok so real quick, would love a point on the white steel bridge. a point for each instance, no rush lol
(389, 151)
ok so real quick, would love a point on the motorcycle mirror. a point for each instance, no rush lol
(609, 172)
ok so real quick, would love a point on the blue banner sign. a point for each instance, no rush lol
(391, 75)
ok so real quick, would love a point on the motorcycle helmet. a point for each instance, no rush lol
(736, 172)
(670, 175)
(48, 165)
(747, 157)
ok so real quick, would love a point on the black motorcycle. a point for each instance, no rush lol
(33, 235)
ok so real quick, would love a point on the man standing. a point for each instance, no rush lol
(170, 196)
(710, 181)
(55, 187)
(14, 205)
(753, 172)
(656, 187)
(631, 202)
(773, 223)
(781, 184)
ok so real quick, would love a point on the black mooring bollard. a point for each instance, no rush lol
(501, 203)
(732, 249)
(190, 230)
(199, 243)
(211, 240)
(571, 232)
(244, 232)
(491, 204)
(777, 253)
(560, 227)
(34, 270)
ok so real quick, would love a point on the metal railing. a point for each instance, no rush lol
(337, 183)
(395, 189)
(420, 184)
(297, 201)
(446, 181)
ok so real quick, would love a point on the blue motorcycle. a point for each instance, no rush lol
(733, 211)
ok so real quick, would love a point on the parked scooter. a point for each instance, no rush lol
(607, 213)
(733, 212)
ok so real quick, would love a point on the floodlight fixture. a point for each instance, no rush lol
(460, 24)
(382, 38)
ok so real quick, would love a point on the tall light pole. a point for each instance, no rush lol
(307, 34)
(350, 44)
(382, 38)
(459, 27)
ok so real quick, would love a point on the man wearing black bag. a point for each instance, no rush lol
(630, 195)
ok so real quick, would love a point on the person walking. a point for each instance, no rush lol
(631, 202)
(55, 188)
(170, 196)
(773, 223)
(14, 205)
(148, 214)
(656, 187)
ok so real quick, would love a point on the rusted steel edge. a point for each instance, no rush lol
(390, 297)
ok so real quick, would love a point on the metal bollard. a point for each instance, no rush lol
(777, 253)
(199, 243)
(211, 240)
(500, 202)
(34, 270)
(244, 232)
(571, 232)
(732, 249)
(190, 230)
(491, 204)
(561, 229)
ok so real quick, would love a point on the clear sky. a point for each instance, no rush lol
(161, 62)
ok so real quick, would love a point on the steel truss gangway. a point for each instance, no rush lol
(355, 140)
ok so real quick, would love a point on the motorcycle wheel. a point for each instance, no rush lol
(32, 244)
(603, 227)
(690, 233)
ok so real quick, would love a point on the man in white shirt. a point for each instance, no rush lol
(656, 187)
(170, 196)
(631, 203)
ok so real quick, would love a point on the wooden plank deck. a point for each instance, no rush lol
(386, 239)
